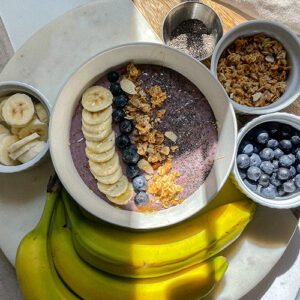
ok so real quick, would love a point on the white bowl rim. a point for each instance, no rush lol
(244, 108)
(165, 224)
(291, 201)
(35, 160)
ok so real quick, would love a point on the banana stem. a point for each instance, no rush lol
(53, 189)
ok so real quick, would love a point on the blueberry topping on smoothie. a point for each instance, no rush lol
(112, 76)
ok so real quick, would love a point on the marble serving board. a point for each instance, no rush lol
(46, 61)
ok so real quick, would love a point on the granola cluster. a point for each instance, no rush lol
(254, 70)
(144, 108)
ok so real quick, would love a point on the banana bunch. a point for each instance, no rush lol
(157, 253)
(25, 130)
(177, 261)
(100, 145)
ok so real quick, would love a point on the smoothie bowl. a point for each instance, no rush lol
(142, 136)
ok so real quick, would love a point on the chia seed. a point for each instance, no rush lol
(193, 37)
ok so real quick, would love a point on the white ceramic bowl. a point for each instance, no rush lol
(290, 42)
(112, 59)
(279, 202)
(9, 88)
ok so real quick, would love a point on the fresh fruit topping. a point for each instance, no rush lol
(283, 173)
(96, 98)
(262, 136)
(126, 127)
(243, 161)
(285, 145)
(286, 160)
(130, 155)
(141, 199)
(116, 189)
(255, 160)
(95, 118)
(275, 164)
(264, 180)
(120, 101)
(275, 180)
(292, 172)
(132, 170)
(266, 154)
(115, 89)
(112, 76)
(272, 143)
(140, 183)
(253, 173)
(289, 186)
(122, 141)
(267, 167)
(250, 184)
(278, 153)
(247, 149)
(269, 191)
(118, 115)
(295, 139)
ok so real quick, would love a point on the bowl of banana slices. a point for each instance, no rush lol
(24, 122)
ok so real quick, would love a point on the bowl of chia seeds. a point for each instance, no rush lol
(194, 28)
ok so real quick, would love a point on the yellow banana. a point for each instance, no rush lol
(92, 284)
(34, 266)
(157, 253)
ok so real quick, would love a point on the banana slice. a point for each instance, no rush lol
(123, 198)
(94, 118)
(41, 113)
(96, 98)
(105, 168)
(100, 157)
(2, 102)
(32, 152)
(97, 128)
(3, 129)
(34, 126)
(22, 150)
(4, 154)
(18, 110)
(110, 179)
(102, 146)
(17, 145)
(116, 189)
(93, 137)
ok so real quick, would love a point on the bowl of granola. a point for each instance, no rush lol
(142, 136)
(258, 64)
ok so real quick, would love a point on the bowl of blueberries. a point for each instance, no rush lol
(267, 166)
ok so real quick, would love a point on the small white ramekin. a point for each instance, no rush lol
(9, 88)
(290, 201)
(290, 42)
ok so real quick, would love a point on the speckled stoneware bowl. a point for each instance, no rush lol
(290, 201)
(112, 59)
(292, 45)
(9, 88)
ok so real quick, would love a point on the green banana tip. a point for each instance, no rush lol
(54, 184)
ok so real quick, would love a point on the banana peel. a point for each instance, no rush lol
(90, 284)
(157, 253)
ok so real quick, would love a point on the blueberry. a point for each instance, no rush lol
(112, 76)
(280, 190)
(246, 147)
(285, 145)
(262, 136)
(266, 154)
(298, 168)
(130, 155)
(295, 150)
(250, 184)
(253, 173)
(283, 173)
(267, 167)
(120, 101)
(297, 181)
(140, 183)
(122, 141)
(273, 127)
(275, 180)
(264, 180)
(243, 161)
(285, 161)
(272, 143)
(257, 148)
(141, 199)
(297, 154)
(126, 127)
(243, 173)
(292, 157)
(278, 153)
(255, 160)
(269, 191)
(289, 186)
(132, 170)
(275, 164)
(295, 139)
(292, 172)
(286, 131)
(118, 115)
(115, 89)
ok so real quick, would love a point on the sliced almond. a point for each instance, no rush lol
(144, 165)
(128, 86)
(256, 96)
(269, 58)
(171, 135)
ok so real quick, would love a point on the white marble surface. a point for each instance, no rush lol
(32, 64)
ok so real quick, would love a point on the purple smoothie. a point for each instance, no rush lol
(188, 115)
